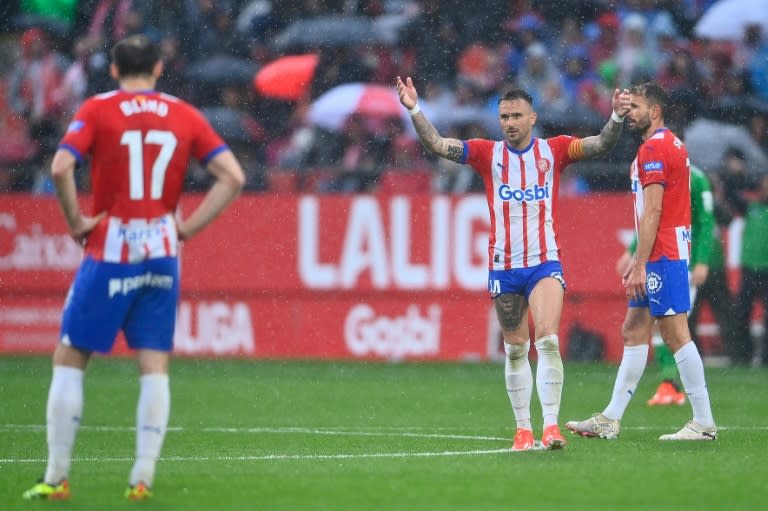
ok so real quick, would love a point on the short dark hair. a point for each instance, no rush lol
(135, 55)
(514, 94)
(653, 93)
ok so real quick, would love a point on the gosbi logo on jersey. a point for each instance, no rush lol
(531, 193)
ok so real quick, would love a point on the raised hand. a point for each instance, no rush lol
(620, 102)
(407, 92)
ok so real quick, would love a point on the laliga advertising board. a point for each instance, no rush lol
(363, 277)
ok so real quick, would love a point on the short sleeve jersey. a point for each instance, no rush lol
(139, 145)
(663, 160)
(521, 191)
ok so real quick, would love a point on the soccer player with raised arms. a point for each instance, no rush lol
(656, 280)
(139, 142)
(521, 175)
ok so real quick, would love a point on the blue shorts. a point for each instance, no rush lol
(139, 298)
(667, 288)
(521, 281)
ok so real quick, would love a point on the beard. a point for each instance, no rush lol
(640, 126)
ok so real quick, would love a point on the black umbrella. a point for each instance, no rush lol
(332, 31)
(732, 109)
(583, 10)
(221, 70)
(574, 117)
(233, 126)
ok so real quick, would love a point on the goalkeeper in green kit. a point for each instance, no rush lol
(702, 247)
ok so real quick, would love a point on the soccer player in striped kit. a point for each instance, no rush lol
(140, 142)
(521, 175)
(656, 281)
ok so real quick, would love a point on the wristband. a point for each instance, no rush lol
(413, 111)
(614, 117)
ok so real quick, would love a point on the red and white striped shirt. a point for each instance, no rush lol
(521, 190)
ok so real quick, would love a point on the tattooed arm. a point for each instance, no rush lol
(449, 148)
(609, 135)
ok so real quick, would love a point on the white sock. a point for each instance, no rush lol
(630, 371)
(151, 423)
(517, 375)
(549, 377)
(691, 370)
(63, 412)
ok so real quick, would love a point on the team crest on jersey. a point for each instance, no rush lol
(542, 165)
(654, 283)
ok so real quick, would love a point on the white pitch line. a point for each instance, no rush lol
(384, 431)
(275, 430)
(281, 457)
(278, 457)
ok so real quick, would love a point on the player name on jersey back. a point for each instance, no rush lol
(143, 104)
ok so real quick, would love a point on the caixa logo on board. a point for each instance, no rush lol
(368, 333)
(535, 192)
(30, 248)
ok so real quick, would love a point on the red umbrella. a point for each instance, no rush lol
(288, 78)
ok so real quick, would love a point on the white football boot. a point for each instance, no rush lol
(598, 426)
(692, 431)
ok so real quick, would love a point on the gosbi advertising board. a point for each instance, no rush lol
(400, 277)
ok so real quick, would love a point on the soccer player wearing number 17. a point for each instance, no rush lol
(139, 142)
(521, 175)
(656, 281)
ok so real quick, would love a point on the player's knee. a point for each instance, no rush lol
(517, 351)
(549, 344)
(632, 335)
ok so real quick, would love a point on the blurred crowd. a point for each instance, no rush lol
(303, 125)
(569, 54)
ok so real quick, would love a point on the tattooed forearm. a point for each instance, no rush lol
(433, 142)
(603, 142)
(455, 152)
(426, 131)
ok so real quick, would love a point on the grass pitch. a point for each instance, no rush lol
(378, 436)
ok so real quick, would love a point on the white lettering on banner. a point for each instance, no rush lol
(313, 273)
(458, 237)
(364, 245)
(23, 315)
(367, 333)
(36, 250)
(441, 237)
(221, 328)
(404, 273)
